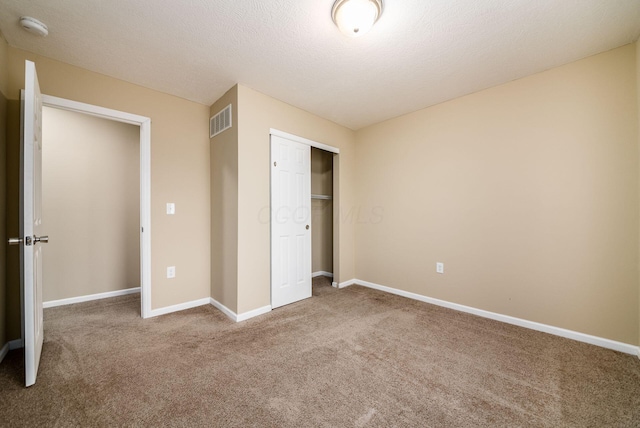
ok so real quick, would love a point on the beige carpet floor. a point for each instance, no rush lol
(345, 358)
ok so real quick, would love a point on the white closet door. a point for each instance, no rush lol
(290, 221)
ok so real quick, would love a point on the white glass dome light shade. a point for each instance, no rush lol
(34, 26)
(356, 17)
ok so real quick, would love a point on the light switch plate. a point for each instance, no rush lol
(171, 208)
(440, 267)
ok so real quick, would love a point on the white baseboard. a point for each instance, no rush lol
(16, 344)
(88, 298)
(240, 317)
(179, 307)
(4, 351)
(348, 283)
(254, 313)
(322, 273)
(228, 312)
(10, 346)
(557, 331)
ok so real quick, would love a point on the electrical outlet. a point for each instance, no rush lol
(171, 272)
(440, 267)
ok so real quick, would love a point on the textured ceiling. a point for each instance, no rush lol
(420, 53)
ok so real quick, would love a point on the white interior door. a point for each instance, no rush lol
(290, 221)
(31, 223)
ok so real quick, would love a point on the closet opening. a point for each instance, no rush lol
(321, 218)
(304, 203)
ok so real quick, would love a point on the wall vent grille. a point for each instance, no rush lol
(220, 122)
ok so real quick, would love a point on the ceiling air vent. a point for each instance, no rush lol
(220, 122)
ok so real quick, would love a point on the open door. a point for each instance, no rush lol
(290, 221)
(31, 223)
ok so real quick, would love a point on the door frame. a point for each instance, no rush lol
(145, 181)
(336, 202)
(303, 140)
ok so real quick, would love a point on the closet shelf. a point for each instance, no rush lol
(325, 197)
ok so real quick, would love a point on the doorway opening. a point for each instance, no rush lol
(142, 193)
(91, 207)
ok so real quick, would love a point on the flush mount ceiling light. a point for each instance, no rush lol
(34, 26)
(356, 17)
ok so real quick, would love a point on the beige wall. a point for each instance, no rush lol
(4, 66)
(3, 175)
(321, 211)
(527, 192)
(257, 114)
(90, 203)
(224, 207)
(12, 290)
(638, 107)
(179, 173)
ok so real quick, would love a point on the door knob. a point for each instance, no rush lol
(307, 227)
(28, 240)
(15, 241)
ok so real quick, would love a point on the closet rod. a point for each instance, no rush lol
(325, 197)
